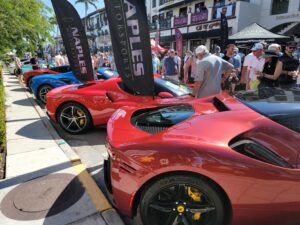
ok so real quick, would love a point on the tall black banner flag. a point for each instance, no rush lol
(131, 44)
(224, 29)
(74, 38)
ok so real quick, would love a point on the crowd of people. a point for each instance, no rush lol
(265, 66)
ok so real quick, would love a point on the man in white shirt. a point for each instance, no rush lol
(252, 64)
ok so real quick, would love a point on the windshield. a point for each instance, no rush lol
(174, 87)
(280, 105)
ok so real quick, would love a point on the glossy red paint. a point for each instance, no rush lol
(32, 73)
(259, 193)
(101, 99)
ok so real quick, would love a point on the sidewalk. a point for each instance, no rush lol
(45, 180)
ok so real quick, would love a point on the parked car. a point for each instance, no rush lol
(27, 76)
(41, 85)
(218, 160)
(77, 107)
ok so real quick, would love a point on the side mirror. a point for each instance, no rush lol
(165, 95)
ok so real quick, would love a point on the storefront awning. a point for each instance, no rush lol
(256, 33)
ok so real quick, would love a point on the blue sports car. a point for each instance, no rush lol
(41, 85)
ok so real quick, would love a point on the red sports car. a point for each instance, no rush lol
(214, 161)
(27, 76)
(77, 107)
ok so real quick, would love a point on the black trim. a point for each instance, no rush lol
(176, 4)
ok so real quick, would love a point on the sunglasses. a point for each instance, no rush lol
(291, 47)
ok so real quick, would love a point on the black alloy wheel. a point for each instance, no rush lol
(181, 200)
(74, 118)
(42, 92)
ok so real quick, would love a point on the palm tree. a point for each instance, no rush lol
(86, 6)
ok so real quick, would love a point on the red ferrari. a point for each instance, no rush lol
(214, 161)
(77, 107)
(27, 76)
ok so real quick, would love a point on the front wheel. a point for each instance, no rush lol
(74, 118)
(181, 200)
(42, 92)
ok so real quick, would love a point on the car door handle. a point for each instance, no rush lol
(109, 97)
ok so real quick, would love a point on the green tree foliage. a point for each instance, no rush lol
(24, 25)
(87, 3)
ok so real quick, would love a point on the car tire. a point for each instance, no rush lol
(42, 92)
(74, 118)
(155, 207)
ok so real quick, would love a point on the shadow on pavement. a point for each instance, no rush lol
(23, 102)
(19, 89)
(29, 176)
(34, 130)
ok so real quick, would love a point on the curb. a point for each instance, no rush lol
(108, 213)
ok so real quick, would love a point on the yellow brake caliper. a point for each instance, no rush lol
(82, 120)
(196, 197)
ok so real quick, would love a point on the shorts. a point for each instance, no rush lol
(254, 84)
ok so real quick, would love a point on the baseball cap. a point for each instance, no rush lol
(257, 46)
(171, 51)
(201, 49)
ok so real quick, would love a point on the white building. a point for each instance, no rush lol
(199, 20)
(97, 31)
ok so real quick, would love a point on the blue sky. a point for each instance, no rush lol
(79, 7)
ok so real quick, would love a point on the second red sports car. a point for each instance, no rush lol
(78, 107)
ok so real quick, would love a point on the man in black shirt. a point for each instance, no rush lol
(34, 63)
(290, 66)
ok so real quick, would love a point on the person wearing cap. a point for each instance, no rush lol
(267, 76)
(171, 66)
(209, 73)
(155, 63)
(290, 66)
(187, 67)
(254, 64)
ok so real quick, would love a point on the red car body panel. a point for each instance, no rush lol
(259, 193)
(32, 73)
(101, 99)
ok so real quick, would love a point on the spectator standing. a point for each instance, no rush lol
(268, 77)
(231, 81)
(34, 63)
(253, 64)
(101, 59)
(209, 73)
(59, 60)
(18, 65)
(155, 63)
(179, 63)
(187, 67)
(218, 51)
(106, 63)
(290, 66)
(171, 66)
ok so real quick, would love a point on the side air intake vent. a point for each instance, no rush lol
(158, 119)
(219, 105)
(257, 151)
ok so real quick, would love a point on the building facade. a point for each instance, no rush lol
(199, 20)
(97, 31)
